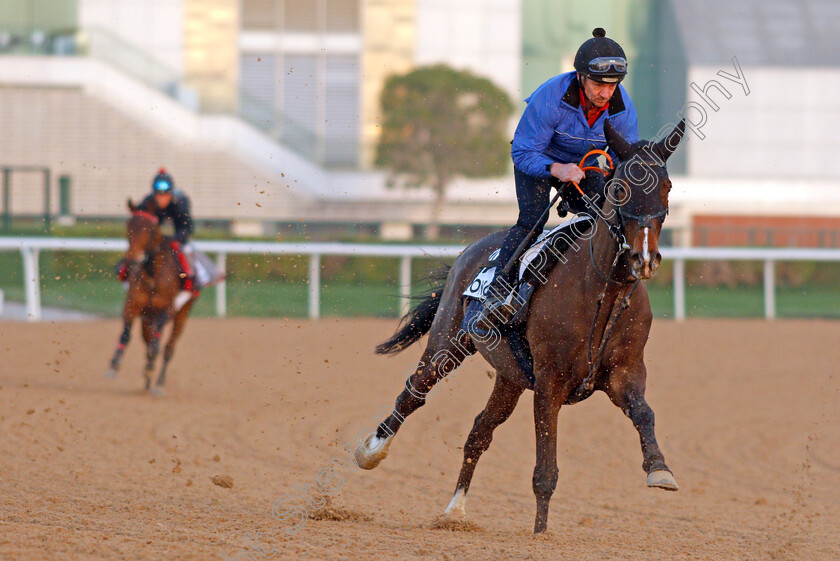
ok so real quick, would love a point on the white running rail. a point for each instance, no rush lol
(31, 247)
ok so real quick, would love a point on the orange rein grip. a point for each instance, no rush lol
(593, 168)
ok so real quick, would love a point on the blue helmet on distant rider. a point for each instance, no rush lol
(601, 59)
(162, 183)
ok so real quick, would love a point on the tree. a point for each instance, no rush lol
(439, 123)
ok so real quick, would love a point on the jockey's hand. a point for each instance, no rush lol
(567, 172)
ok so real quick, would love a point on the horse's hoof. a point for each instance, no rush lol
(157, 391)
(372, 451)
(662, 479)
(111, 373)
(457, 506)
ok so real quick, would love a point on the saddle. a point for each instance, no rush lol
(534, 265)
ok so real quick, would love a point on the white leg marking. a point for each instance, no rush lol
(372, 451)
(458, 504)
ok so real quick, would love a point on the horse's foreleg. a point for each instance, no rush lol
(547, 401)
(177, 328)
(499, 407)
(125, 336)
(626, 391)
(155, 327)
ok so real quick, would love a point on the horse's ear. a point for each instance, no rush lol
(131, 206)
(615, 141)
(665, 147)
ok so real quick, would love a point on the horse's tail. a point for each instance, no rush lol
(418, 320)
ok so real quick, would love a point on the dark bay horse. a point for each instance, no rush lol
(153, 283)
(587, 327)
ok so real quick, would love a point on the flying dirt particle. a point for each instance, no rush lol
(761, 501)
(224, 481)
(216, 458)
(189, 483)
(60, 449)
(152, 461)
(258, 204)
(30, 411)
(586, 521)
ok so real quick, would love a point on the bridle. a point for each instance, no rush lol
(624, 294)
(616, 231)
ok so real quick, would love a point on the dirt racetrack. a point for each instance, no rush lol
(748, 416)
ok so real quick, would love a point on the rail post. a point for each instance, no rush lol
(405, 284)
(679, 289)
(32, 283)
(769, 289)
(315, 286)
(221, 286)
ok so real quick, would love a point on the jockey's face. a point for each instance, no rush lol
(597, 93)
(163, 199)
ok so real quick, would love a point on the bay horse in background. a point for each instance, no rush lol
(154, 281)
(586, 327)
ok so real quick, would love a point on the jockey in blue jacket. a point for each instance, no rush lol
(564, 119)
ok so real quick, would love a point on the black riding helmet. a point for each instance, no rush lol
(601, 59)
(162, 183)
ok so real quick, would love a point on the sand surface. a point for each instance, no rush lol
(747, 412)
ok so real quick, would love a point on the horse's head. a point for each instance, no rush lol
(143, 236)
(639, 189)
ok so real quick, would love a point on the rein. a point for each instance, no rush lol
(615, 230)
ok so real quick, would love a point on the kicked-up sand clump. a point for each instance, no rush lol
(445, 522)
(332, 511)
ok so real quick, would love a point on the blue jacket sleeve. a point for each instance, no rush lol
(534, 133)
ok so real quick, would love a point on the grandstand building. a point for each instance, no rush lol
(266, 111)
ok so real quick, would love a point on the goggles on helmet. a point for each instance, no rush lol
(162, 186)
(603, 64)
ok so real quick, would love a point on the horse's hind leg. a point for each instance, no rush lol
(627, 391)
(499, 407)
(446, 351)
(177, 328)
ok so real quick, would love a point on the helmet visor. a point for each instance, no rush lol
(605, 64)
(162, 186)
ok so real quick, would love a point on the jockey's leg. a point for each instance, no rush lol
(533, 196)
(189, 287)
